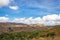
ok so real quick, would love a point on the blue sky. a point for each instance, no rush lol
(29, 8)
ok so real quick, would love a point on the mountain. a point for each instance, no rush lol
(17, 27)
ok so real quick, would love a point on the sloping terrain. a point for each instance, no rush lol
(17, 27)
(56, 29)
(36, 31)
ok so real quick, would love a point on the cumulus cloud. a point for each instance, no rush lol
(7, 2)
(4, 2)
(19, 20)
(13, 7)
(29, 20)
(4, 19)
(53, 19)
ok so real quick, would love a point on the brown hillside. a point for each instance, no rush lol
(56, 29)
(17, 27)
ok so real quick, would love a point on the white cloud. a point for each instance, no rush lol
(29, 20)
(7, 2)
(4, 19)
(19, 20)
(4, 2)
(53, 19)
(13, 7)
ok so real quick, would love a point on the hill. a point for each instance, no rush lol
(56, 29)
(33, 31)
(17, 27)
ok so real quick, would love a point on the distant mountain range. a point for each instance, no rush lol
(18, 27)
(10, 24)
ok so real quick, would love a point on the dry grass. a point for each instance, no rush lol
(47, 38)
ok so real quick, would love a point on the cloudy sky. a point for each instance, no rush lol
(30, 11)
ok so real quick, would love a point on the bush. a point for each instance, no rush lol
(22, 35)
(10, 29)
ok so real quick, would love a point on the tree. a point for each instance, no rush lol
(10, 29)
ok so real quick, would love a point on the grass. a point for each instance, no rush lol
(47, 38)
(35, 35)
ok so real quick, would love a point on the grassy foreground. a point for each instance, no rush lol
(35, 35)
(52, 33)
